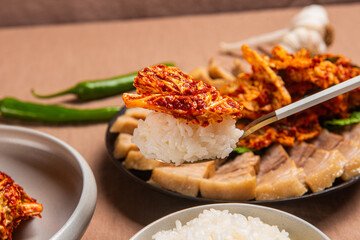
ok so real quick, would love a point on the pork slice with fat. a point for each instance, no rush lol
(234, 180)
(272, 159)
(351, 151)
(286, 181)
(184, 179)
(300, 152)
(327, 140)
(322, 168)
(352, 132)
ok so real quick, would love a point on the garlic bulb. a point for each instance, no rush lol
(304, 38)
(308, 29)
(311, 17)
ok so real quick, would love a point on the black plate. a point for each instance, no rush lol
(143, 176)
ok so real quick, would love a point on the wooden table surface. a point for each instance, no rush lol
(50, 58)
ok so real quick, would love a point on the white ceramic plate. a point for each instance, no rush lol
(56, 175)
(297, 228)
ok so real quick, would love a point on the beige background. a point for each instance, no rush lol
(50, 58)
(20, 12)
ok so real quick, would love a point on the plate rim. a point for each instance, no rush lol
(80, 218)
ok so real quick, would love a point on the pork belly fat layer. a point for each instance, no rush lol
(235, 180)
(322, 168)
(286, 181)
(136, 160)
(123, 145)
(124, 124)
(184, 179)
(138, 113)
(351, 151)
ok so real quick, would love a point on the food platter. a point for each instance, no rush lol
(296, 227)
(143, 176)
(56, 175)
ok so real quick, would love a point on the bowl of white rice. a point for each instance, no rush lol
(230, 221)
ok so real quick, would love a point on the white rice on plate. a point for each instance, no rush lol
(161, 136)
(221, 225)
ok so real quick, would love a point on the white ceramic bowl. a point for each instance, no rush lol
(56, 175)
(297, 228)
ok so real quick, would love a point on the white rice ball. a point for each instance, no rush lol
(161, 136)
(220, 225)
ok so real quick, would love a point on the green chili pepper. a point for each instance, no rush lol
(13, 108)
(95, 89)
